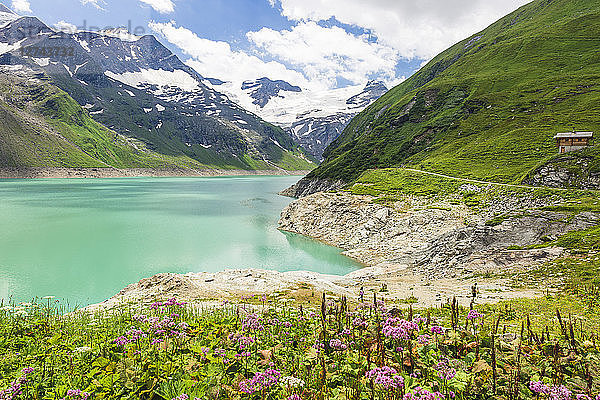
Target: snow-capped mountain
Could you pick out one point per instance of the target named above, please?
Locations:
(263, 90)
(140, 89)
(372, 91)
(313, 118)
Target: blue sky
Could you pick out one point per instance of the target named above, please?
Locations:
(313, 43)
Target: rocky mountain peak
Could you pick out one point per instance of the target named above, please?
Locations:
(139, 89)
(372, 91)
(264, 89)
(6, 15)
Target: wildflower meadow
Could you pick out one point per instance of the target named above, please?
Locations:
(265, 348)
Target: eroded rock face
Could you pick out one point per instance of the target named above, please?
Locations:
(436, 240)
(372, 233)
(308, 186)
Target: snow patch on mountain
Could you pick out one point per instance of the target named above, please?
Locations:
(7, 15)
(5, 47)
(120, 33)
(290, 106)
(83, 43)
(160, 77)
(314, 118)
(42, 62)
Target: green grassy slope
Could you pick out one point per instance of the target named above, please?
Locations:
(489, 106)
(44, 127)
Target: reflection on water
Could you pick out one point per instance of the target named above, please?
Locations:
(84, 239)
(315, 249)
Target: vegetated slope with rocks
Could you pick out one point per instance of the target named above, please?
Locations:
(140, 90)
(486, 108)
(312, 118)
(579, 169)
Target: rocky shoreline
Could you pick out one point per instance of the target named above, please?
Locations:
(38, 173)
(434, 239)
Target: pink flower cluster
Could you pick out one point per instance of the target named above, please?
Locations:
(16, 387)
(162, 306)
(260, 381)
(76, 394)
(444, 370)
(158, 328)
(253, 323)
(242, 341)
(556, 392)
(131, 336)
(437, 330)
(337, 344)
(359, 323)
(183, 397)
(397, 328)
(424, 339)
(423, 394)
(387, 377)
(474, 314)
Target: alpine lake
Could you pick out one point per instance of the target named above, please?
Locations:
(83, 240)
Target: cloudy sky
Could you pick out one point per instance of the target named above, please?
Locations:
(312, 43)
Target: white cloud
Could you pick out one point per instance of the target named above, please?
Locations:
(21, 6)
(327, 53)
(308, 55)
(96, 3)
(317, 56)
(65, 27)
(419, 29)
(215, 59)
(162, 6)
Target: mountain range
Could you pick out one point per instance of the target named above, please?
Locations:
(113, 99)
(314, 118)
(488, 107)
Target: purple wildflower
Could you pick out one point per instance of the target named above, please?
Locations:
(437, 330)
(337, 344)
(260, 381)
(474, 314)
(387, 377)
(76, 394)
(445, 372)
(15, 389)
(397, 328)
(424, 339)
(423, 394)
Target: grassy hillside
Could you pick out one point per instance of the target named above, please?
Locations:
(489, 106)
(44, 127)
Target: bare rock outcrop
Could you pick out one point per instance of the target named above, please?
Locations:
(436, 240)
(307, 186)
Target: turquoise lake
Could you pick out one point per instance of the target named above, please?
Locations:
(83, 240)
